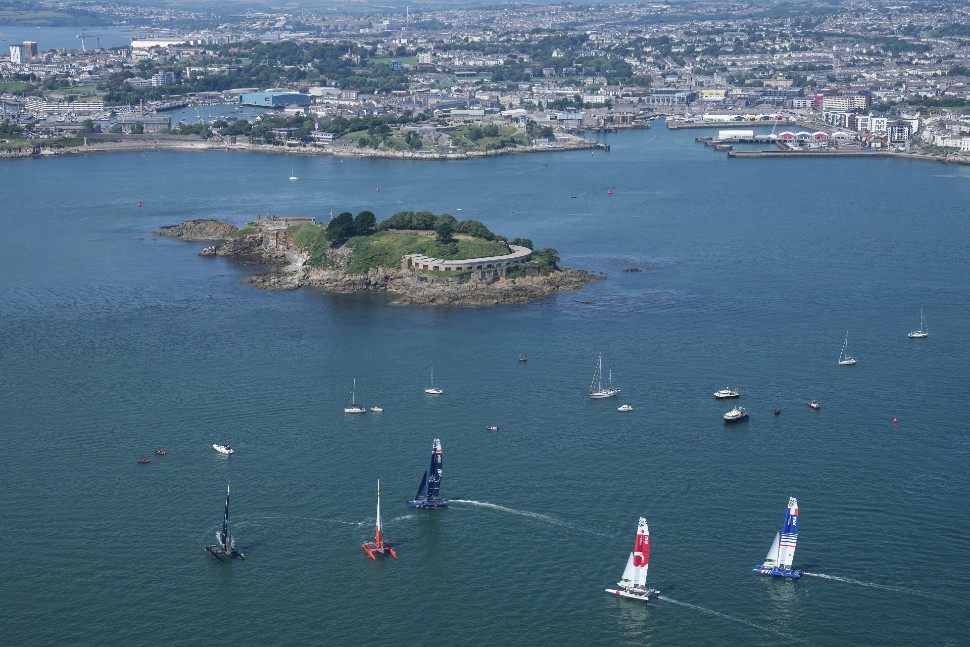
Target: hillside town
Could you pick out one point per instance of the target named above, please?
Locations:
(867, 74)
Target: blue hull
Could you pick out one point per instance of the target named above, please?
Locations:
(428, 503)
(777, 572)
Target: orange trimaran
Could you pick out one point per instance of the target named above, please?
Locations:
(378, 545)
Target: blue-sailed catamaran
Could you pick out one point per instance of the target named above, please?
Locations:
(782, 551)
(429, 492)
(225, 547)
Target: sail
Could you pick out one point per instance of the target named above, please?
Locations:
(225, 539)
(379, 525)
(434, 472)
(789, 535)
(422, 487)
(626, 581)
(641, 554)
(597, 384)
(772, 558)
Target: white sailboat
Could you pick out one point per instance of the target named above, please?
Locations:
(922, 331)
(354, 407)
(845, 360)
(633, 583)
(293, 174)
(433, 390)
(596, 389)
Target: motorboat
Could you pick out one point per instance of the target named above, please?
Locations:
(523, 357)
(160, 452)
(815, 405)
(492, 428)
(726, 393)
(223, 449)
(736, 414)
(377, 409)
(777, 411)
(142, 461)
(625, 407)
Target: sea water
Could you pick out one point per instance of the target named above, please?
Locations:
(114, 343)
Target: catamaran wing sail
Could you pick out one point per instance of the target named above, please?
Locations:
(226, 539)
(641, 555)
(789, 534)
(772, 558)
(434, 472)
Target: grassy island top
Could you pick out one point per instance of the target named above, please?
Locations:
(384, 244)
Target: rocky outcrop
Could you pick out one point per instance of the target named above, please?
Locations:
(198, 230)
(288, 270)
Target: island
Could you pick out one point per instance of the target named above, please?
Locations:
(415, 257)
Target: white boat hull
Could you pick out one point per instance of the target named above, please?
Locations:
(635, 594)
(848, 361)
(433, 391)
(608, 393)
(355, 410)
(222, 449)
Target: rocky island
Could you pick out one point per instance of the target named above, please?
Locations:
(417, 258)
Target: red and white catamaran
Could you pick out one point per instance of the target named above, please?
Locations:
(378, 546)
(633, 583)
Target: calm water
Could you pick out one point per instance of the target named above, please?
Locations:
(113, 343)
(68, 37)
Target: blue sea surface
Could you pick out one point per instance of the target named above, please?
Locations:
(114, 343)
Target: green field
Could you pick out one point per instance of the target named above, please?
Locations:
(14, 87)
(386, 60)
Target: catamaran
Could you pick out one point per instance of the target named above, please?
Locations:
(633, 583)
(225, 547)
(433, 390)
(922, 331)
(429, 492)
(596, 389)
(354, 407)
(782, 551)
(378, 546)
(845, 360)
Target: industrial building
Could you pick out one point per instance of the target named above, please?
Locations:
(274, 99)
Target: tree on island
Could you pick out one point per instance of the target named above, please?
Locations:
(444, 226)
(524, 242)
(365, 223)
(341, 228)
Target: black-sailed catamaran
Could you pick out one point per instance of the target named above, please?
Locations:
(225, 547)
(782, 552)
(429, 492)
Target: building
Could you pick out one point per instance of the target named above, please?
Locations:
(274, 99)
(845, 102)
(160, 79)
(150, 123)
(17, 54)
(671, 97)
(30, 50)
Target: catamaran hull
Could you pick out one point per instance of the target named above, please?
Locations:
(373, 550)
(428, 503)
(777, 572)
(635, 595)
(222, 555)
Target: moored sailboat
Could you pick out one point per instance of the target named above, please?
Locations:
(633, 582)
(354, 407)
(922, 331)
(429, 491)
(225, 546)
(378, 546)
(845, 360)
(432, 389)
(782, 552)
(596, 389)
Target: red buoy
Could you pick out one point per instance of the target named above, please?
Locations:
(609, 192)
(895, 421)
(139, 203)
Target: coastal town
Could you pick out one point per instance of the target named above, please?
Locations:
(443, 82)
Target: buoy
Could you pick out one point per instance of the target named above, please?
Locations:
(609, 192)
(139, 203)
(895, 421)
(378, 188)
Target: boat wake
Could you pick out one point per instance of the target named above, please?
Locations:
(544, 518)
(726, 616)
(883, 587)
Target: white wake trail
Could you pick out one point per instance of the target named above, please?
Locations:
(537, 516)
(882, 587)
(725, 616)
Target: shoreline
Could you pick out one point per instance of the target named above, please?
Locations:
(565, 142)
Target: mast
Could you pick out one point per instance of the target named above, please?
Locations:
(377, 534)
(789, 535)
(434, 472)
(225, 523)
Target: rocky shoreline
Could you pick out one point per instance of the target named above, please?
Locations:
(287, 269)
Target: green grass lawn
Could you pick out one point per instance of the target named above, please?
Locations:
(14, 87)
